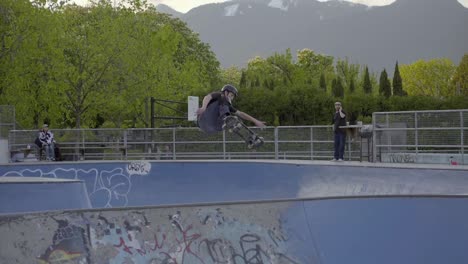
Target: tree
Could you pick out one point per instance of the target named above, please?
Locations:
(29, 60)
(243, 80)
(367, 85)
(352, 87)
(347, 71)
(231, 75)
(311, 66)
(385, 88)
(398, 83)
(431, 78)
(337, 87)
(460, 79)
(323, 82)
(315, 64)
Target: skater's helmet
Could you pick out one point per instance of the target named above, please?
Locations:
(229, 88)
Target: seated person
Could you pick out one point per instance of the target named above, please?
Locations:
(46, 137)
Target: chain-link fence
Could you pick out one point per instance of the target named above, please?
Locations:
(398, 137)
(305, 142)
(421, 136)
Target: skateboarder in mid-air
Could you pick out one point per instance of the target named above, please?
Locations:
(217, 113)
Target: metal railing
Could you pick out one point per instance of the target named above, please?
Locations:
(399, 137)
(421, 136)
(298, 142)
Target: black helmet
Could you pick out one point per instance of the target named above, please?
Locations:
(229, 88)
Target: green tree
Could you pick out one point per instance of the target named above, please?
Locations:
(431, 78)
(231, 75)
(460, 79)
(323, 82)
(29, 60)
(337, 87)
(243, 81)
(385, 88)
(347, 71)
(367, 85)
(311, 66)
(398, 83)
(352, 87)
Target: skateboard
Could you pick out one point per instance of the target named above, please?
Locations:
(234, 125)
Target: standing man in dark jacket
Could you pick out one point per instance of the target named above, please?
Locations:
(339, 119)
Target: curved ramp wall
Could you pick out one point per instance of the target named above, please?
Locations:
(356, 230)
(143, 183)
(23, 194)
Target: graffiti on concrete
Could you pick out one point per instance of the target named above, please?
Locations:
(139, 168)
(106, 188)
(181, 237)
(68, 244)
(401, 158)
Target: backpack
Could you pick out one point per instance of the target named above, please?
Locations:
(38, 142)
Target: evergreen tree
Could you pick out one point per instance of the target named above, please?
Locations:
(337, 88)
(257, 82)
(367, 86)
(352, 86)
(340, 88)
(333, 87)
(385, 88)
(243, 80)
(398, 83)
(323, 83)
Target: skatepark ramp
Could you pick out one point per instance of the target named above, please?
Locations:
(233, 212)
(372, 229)
(147, 183)
(31, 194)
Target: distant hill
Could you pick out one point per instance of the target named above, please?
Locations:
(168, 10)
(406, 30)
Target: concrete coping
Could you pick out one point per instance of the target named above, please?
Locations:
(289, 162)
(8, 179)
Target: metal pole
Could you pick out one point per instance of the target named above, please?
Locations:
(416, 140)
(462, 138)
(173, 143)
(224, 144)
(311, 143)
(387, 134)
(276, 142)
(125, 143)
(152, 111)
(349, 144)
(374, 137)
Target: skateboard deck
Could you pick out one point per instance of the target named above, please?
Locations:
(234, 125)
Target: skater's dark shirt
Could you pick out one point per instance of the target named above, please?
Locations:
(218, 97)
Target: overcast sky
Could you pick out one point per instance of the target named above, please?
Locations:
(185, 5)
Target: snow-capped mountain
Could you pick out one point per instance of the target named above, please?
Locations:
(406, 30)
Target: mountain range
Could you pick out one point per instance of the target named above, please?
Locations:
(404, 31)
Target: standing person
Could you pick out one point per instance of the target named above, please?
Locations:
(216, 106)
(339, 119)
(47, 139)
